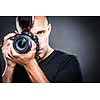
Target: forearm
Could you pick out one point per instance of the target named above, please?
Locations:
(35, 73)
(8, 74)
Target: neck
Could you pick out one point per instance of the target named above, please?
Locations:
(49, 51)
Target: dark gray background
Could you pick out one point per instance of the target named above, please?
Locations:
(73, 34)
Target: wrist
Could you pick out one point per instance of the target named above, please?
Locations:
(8, 68)
(8, 73)
(35, 73)
(31, 63)
(10, 64)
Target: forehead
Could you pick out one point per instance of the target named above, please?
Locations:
(40, 22)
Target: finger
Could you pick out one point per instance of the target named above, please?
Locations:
(6, 51)
(9, 53)
(4, 48)
(6, 45)
(9, 57)
(13, 52)
(33, 45)
(16, 32)
(9, 36)
(9, 42)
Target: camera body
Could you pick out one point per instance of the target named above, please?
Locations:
(22, 42)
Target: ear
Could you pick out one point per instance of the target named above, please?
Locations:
(49, 28)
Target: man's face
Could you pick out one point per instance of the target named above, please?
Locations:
(42, 30)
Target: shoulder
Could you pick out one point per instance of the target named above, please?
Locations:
(66, 60)
(68, 69)
(64, 55)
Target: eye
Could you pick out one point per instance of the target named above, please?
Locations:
(41, 32)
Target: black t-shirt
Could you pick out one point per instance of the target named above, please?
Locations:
(58, 67)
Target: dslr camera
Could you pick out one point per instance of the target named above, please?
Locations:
(22, 42)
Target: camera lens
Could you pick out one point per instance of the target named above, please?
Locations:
(22, 44)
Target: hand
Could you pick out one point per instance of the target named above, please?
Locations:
(26, 58)
(6, 50)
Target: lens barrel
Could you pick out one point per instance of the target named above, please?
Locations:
(22, 43)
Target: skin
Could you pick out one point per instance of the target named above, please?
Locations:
(42, 29)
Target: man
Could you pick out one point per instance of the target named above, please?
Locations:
(52, 65)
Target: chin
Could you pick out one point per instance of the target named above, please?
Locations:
(42, 55)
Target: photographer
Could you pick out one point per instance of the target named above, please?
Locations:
(49, 66)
